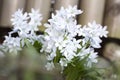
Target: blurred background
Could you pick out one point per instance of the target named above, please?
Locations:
(104, 12)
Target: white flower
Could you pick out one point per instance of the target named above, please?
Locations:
(59, 40)
(73, 11)
(12, 44)
(63, 62)
(52, 55)
(49, 66)
(18, 17)
(27, 21)
(92, 33)
(19, 20)
(90, 54)
(100, 31)
(70, 50)
(95, 42)
(26, 24)
(35, 19)
(60, 35)
(92, 58)
(60, 43)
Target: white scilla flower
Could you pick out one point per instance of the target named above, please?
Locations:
(98, 29)
(35, 19)
(73, 11)
(19, 20)
(70, 49)
(92, 33)
(49, 66)
(26, 24)
(90, 54)
(63, 62)
(12, 44)
(60, 35)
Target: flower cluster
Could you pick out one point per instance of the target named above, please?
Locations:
(60, 43)
(25, 25)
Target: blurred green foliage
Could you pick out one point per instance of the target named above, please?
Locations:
(28, 64)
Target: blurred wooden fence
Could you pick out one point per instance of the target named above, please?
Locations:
(105, 12)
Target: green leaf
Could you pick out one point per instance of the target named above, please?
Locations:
(58, 56)
(37, 46)
(76, 70)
